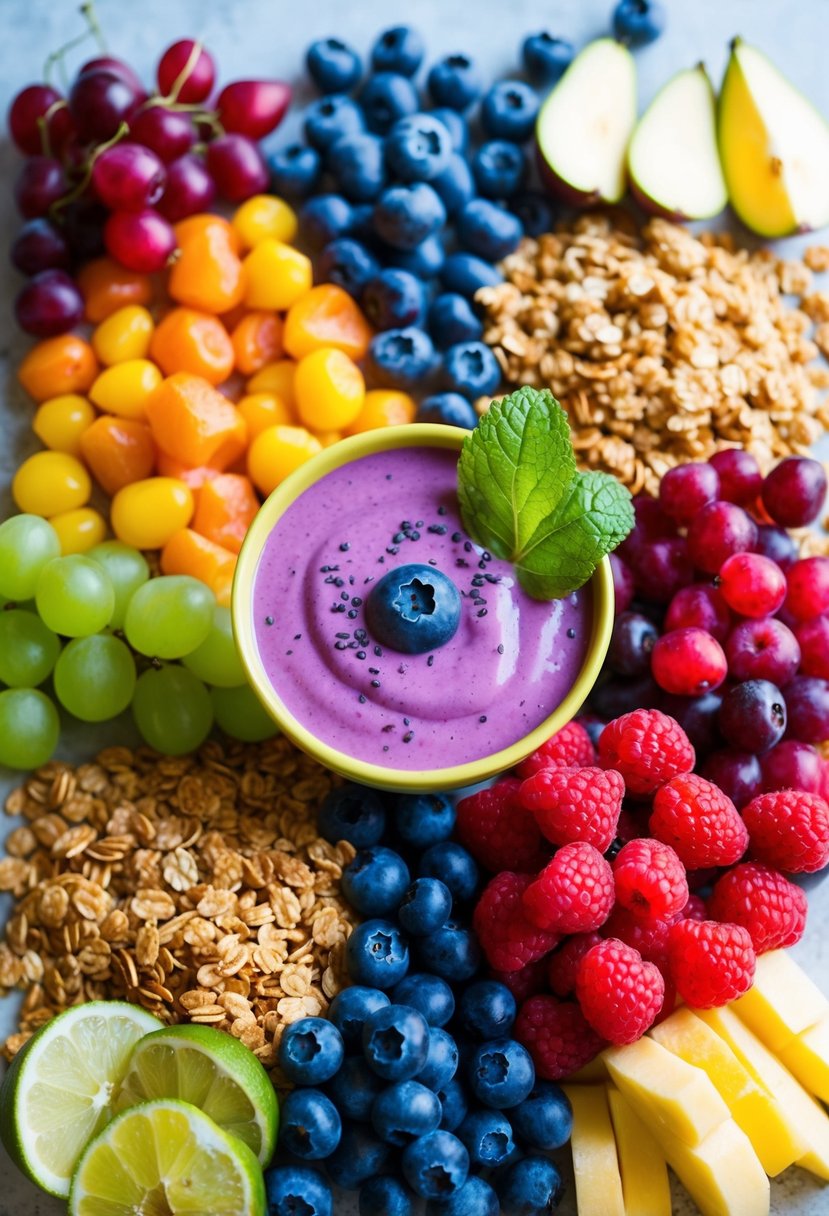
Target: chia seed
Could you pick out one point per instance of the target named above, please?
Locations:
(406, 722)
(289, 652)
(375, 683)
(344, 547)
(342, 635)
(500, 647)
(375, 671)
(433, 561)
(361, 654)
(398, 538)
(378, 650)
(386, 729)
(438, 529)
(297, 636)
(467, 546)
(392, 549)
(482, 718)
(356, 600)
(571, 633)
(409, 735)
(457, 537)
(268, 620)
(362, 699)
(441, 510)
(340, 646)
(430, 660)
(352, 614)
(385, 747)
(345, 596)
(481, 612)
(460, 561)
(414, 535)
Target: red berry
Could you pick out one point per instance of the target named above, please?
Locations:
(699, 821)
(791, 765)
(752, 585)
(49, 304)
(688, 662)
(716, 532)
(168, 133)
(789, 829)
(650, 879)
(139, 240)
(574, 892)
(794, 492)
(115, 67)
(651, 524)
(508, 939)
(25, 112)
(762, 650)
(622, 582)
(647, 748)
(128, 177)
(575, 804)
(619, 992)
(39, 184)
(813, 638)
(649, 937)
(661, 568)
(497, 830)
(764, 902)
(557, 1035)
(39, 245)
(738, 774)
(686, 489)
(571, 746)
(99, 101)
(699, 606)
(237, 167)
(695, 909)
(808, 588)
(565, 960)
(711, 963)
(527, 982)
(189, 64)
(739, 474)
(189, 189)
(253, 107)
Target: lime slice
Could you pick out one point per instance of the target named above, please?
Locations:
(165, 1158)
(210, 1070)
(57, 1092)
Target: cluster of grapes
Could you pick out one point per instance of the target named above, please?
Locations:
(107, 634)
(111, 168)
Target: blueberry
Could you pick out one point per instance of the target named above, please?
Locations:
(361, 226)
(454, 865)
(436, 1165)
(406, 215)
(399, 49)
(465, 274)
(454, 82)
(401, 358)
(405, 1111)
(638, 22)
(471, 368)
(413, 608)
(455, 184)
(452, 1098)
(546, 58)
(354, 1089)
(347, 263)
(424, 819)
(475, 1198)
(488, 230)
(375, 880)
(499, 168)
(509, 110)
(487, 1135)
(396, 1042)
(453, 319)
(455, 124)
(310, 1051)
(350, 1008)
(385, 1196)
(428, 994)
(530, 1187)
(534, 210)
(418, 148)
(309, 1124)
(452, 952)
(441, 1062)
(451, 409)
(324, 218)
(487, 1010)
(425, 906)
(333, 66)
(359, 1156)
(330, 119)
(393, 299)
(295, 170)
(501, 1073)
(358, 164)
(545, 1118)
(354, 813)
(424, 262)
(386, 97)
(377, 954)
(296, 1188)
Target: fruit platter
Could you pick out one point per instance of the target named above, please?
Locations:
(414, 610)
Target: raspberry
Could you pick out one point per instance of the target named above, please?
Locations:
(575, 804)
(649, 937)
(619, 992)
(564, 962)
(764, 902)
(497, 830)
(557, 1036)
(695, 909)
(509, 940)
(789, 829)
(710, 963)
(574, 893)
(647, 747)
(527, 982)
(569, 746)
(650, 879)
(699, 821)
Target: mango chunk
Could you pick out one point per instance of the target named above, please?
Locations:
(595, 1163)
(807, 1058)
(722, 1174)
(669, 1093)
(753, 1109)
(805, 1118)
(645, 1185)
(593, 1073)
(783, 1001)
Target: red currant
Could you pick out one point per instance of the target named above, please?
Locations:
(752, 585)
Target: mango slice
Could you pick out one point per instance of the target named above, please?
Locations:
(645, 1185)
(595, 1163)
(783, 1001)
(722, 1174)
(807, 1058)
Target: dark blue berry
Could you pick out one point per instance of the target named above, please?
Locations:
(454, 82)
(487, 1135)
(359, 1156)
(452, 1097)
(499, 168)
(428, 994)
(441, 1062)
(401, 358)
(386, 97)
(309, 1124)
(475, 1198)
(347, 263)
(471, 368)
(377, 954)
(418, 148)
(638, 22)
(396, 1042)
(487, 1010)
(412, 609)
(385, 1196)
(546, 58)
(405, 1111)
(375, 881)
(295, 170)
(465, 274)
(436, 1165)
(310, 1051)
(350, 1008)
(295, 1188)
(453, 319)
(455, 124)
(330, 119)
(333, 66)
(455, 183)
(354, 1089)
(361, 226)
(454, 865)
(424, 819)
(488, 230)
(452, 952)
(534, 210)
(406, 215)
(501, 1073)
(450, 409)
(399, 49)
(358, 164)
(393, 299)
(354, 813)
(530, 1187)
(425, 261)
(545, 1118)
(425, 906)
(324, 218)
(509, 110)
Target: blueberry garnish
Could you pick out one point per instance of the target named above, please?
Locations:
(413, 609)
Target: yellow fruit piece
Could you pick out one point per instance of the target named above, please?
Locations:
(276, 275)
(328, 438)
(50, 483)
(595, 1164)
(783, 1001)
(330, 389)
(60, 422)
(673, 1096)
(276, 378)
(125, 334)
(261, 410)
(276, 452)
(124, 388)
(645, 1185)
(753, 1109)
(591, 1074)
(261, 217)
(722, 1173)
(807, 1058)
(79, 531)
(383, 407)
(147, 513)
(805, 1118)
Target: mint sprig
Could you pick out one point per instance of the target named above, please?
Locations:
(522, 498)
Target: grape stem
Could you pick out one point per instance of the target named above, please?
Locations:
(43, 124)
(82, 183)
(57, 58)
(186, 72)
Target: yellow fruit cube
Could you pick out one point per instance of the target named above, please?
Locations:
(807, 1058)
(645, 1185)
(782, 1002)
(672, 1095)
(722, 1174)
(595, 1164)
(753, 1109)
(593, 1073)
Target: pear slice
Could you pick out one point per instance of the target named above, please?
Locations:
(774, 147)
(673, 160)
(583, 127)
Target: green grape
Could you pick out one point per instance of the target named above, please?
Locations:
(128, 570)
(29, 728)
(75, 596)
(217, 660)
(169, 616)
(172, 709)
(241, 715)
(28, 650)
(95, 677)
(27, 543)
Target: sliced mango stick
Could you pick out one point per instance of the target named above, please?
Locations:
(783, 1001)
(595, 1163)
(645, 1185)
(807, 1058)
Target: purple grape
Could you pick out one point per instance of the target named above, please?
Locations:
(776, 543)
(698, 718)
(794, 491)
(762, 650)
(40, 183)
(739, 474)
(660, 568)
(622, 582)
(684, 490)
(168, 133)
(717, 532)
(616, 697)
(633, 640)
(99, 101)
(738, 774)
(753, 716)
(128, 177)
(49, 304)
(807, 698)
(792, 765)
(189, 189)
(237, 167)
(39, 245)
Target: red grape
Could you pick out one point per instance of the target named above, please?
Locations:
(128, 177)
(752, 585)
(813, 637)
(115, 67)
(688, 662)
(622, 582)
(792, 765)
(717, 531)
(39, 245)
(737, 774)
(253, 107)
(699, 606)
(739, 474)
(139, 240)
(237, 167)
(201, 74)
(686, 488)
(83, 224)
(794, 491)
(808, 583)
(189, 189)
(39, 184)
(49, 304)
(99, 102)
(29, 105)
(807, 698)
(762, 650)
(166, 132)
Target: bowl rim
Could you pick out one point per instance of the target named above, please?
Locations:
(364, 772)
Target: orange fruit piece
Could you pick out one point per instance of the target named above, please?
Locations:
(107, 286)
(193, 476)
(261, 410)
(192, 421)
(196, 342)
(207, 274)
(383, 407)
(225, 509)
(118, 451)
(257, 340)
(188, 552)
(64, 364)
(276, 378)
(326, 316)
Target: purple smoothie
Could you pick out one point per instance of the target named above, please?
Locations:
(509, 665)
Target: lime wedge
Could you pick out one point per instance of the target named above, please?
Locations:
(58, 1090)
(210, 1070)
(165, 1158)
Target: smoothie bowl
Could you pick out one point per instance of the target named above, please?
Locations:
(387, 644)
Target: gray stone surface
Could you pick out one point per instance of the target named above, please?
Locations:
(262, 37)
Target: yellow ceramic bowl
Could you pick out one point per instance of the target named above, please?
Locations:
(403, 780)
